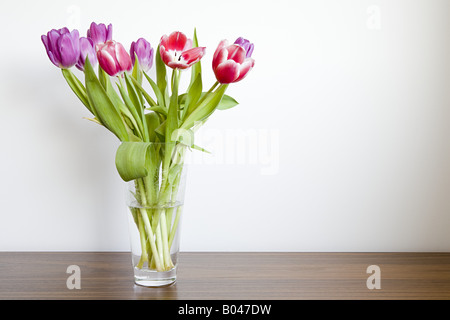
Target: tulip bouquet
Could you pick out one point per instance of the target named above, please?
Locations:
(154, 125)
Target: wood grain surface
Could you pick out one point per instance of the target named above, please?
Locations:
(242, 276)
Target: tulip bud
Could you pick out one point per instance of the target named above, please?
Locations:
(86, 50)
(63, 47)
(113, 58)
(244, 43)
(99, 33)
(231, 63)
(144, 51)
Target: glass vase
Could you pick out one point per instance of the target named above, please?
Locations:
(155, 205)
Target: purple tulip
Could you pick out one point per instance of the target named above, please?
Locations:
(99, 33)
(244, 43)
(144, 52)
(63, 47)
(86, 49)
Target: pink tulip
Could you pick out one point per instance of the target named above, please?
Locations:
(113, 58)
(176, 51)
(231, 63)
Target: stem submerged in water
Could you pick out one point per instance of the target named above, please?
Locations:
(157, 217)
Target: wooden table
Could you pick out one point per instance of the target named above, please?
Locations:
(242, 276)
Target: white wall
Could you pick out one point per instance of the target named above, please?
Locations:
(343, 123)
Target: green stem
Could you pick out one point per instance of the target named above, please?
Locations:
(151, 238)
(144, 255)
(209, 91)
(160, 248)
(175, 226)
(166, 251)
(154, 243)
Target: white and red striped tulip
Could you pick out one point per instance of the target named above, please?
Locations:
(113, 58)
(177, 53)
(231, 63)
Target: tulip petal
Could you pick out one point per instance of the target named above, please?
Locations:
(244, 43)
(144, 51)
(222, 44)
(177, 41)
(99, 33)
(219, 57)
(245, 68)
(227, 72)
(193, 55)
(44, 39)
(178, 65)
(188, 45)
(68, 51)
(53, 36)
(109, 32)
(75, 36)
(164, 41)
(236, 53)
(240, 41)
(86, 49)
(63, 30)
(165, 56)
(123, 58)
(250, 50)
(133, 52)
(107, 62)
(52, 58)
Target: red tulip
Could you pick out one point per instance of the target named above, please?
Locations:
(231, 63)
(113, 58)
(176, 51)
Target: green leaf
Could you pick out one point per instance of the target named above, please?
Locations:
(194, 146)
(115, 98)
(193, 95)
(182, 98)
(158, 109)
(206, 108)
(103, 77)
(227, 102)
(77, 87)
(196, 68)
(134, 160)
(133, 95)
(160, 131)
(137, 72)
(139, 106)
(184, 136)
(131, 112)
(137, 75)
(161, 78)
(147, 97)
(153, 123)
(103, 107)
(156, 90)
